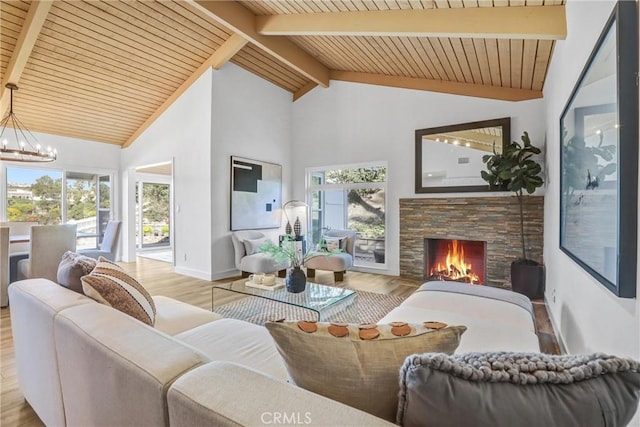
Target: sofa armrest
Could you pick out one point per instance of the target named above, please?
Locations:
(227, 394)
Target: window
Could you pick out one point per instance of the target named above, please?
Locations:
(352, 197)
(34, 195)
(60, 197)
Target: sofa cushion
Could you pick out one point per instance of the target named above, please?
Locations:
(245, 343)
(356, 364)
(252, 246)
(110, 285)
(523, 389)
(173, 316)
(72, 267)
(221, 393)
(115, 370)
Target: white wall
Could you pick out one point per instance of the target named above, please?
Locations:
(182, 133)
(250, 118)
(589, 317)
(357, 123)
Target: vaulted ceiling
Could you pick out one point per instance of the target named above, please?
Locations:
(105, 70)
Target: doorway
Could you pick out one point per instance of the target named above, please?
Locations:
(154, 213)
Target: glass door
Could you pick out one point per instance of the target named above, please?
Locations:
(154, 215)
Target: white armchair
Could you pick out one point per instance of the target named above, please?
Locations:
(249, 259)
(338, 263)
(48, 244)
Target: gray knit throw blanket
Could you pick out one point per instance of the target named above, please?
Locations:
(522, 368)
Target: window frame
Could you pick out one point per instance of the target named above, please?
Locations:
(310, 188)
(111, 173)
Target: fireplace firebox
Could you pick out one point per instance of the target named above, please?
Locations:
(456, 260)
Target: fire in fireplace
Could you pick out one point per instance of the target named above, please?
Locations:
(456, 260)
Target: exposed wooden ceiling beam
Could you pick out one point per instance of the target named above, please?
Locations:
(455, 88)
(243, 21)
(304, 90)
(526, 22)
(31, 27)
(227, 50)
(220, 57)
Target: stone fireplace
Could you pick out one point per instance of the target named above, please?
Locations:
(495, 221)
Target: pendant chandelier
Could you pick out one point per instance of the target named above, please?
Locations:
(15, 145)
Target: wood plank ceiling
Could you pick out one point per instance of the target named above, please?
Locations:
(103, 70)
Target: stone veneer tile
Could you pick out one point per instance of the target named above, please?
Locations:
(495, 220)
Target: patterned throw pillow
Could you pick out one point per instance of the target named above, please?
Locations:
(518, 389)
(333, 244)
(357, 364)
(72, 267)
(110, 285)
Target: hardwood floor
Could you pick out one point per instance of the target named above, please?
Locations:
(159, 278)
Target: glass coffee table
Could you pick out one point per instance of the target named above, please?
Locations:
(321, 299)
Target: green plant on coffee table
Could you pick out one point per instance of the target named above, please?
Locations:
(288, 251)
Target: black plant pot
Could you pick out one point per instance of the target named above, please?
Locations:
(296, 280)
(528, 280)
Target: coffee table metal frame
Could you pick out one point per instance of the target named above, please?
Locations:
(316, 297)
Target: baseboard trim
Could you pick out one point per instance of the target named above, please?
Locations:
(198, 274)
(225, 274)
(556, 330)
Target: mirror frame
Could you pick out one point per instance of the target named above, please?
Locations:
(504, 122)
(623, 22)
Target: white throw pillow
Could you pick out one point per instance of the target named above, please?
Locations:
(253, 246)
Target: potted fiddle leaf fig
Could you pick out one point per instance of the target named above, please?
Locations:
(517, 170)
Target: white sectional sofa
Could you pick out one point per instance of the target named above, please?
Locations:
(81, 363)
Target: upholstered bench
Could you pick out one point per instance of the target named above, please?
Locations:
(496, 319)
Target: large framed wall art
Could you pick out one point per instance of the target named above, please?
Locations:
(599, 158)
(256, 194)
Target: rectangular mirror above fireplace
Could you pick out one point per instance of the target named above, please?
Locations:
(449, 158)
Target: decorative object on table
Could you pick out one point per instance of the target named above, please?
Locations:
(517, 170)
(288, 251)
(256, 194)
(599, 158)
(297, 228)
(263, 279)
(296, 280)
(22, 146)
(466, 142)
(269, 282)
(300, 211)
